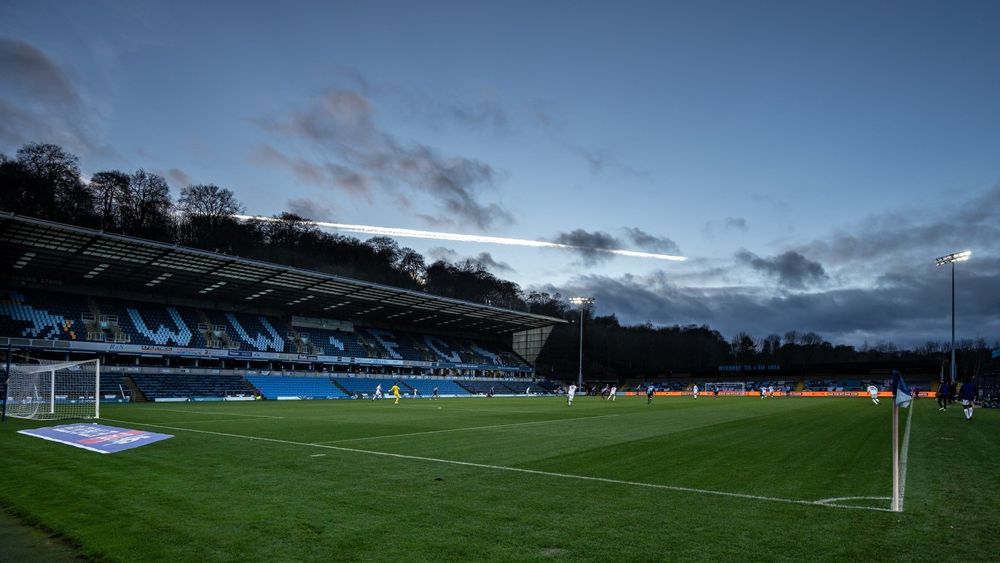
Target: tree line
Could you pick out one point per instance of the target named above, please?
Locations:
(45, 181)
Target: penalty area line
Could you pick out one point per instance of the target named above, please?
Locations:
(607, 480)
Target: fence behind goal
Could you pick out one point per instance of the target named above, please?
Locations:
(54, 390)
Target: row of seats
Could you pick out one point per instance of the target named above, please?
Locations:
(57, 316)
(156, 386)
(271, 386)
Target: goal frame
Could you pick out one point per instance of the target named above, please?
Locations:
(727, 387)
(51, 399)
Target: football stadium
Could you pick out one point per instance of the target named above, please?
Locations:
(169, 403)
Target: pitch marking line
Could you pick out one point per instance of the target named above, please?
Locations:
(517, 469)
(838, 499)
(464, 429)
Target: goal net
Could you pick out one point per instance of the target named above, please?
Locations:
(726, 387)
(54, 390)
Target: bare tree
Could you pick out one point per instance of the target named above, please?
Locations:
(791, 337)
(209, 201)
(110, 191)
(44, 181)
(148, 206)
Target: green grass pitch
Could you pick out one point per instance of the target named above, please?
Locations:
(517, 479)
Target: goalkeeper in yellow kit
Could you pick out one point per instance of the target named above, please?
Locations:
(395, 392)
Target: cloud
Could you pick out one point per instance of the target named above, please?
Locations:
(791, 268)
(359, 157)
(903, 307)
(321, 174)
(600, 161)
(39, 102)
(711, 228)
(480, 114)
(442, 253)
(178, 177)
(653, 243)
(912, 237)
(484, 259)
(29, 71)
(736, 224)
(589, 244)
(310, 209)
(488, 262)
(884, 286)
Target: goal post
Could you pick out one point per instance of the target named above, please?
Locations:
(726, 387)
(54, 390)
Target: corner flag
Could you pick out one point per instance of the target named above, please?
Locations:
(901, 391)
(902, 398)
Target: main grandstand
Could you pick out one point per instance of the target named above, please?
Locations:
(173, 323)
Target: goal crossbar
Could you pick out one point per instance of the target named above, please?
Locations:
(53, 390)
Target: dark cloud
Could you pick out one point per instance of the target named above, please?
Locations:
(710, 229)
(39, 102)
(601, 161)
(488, 262)
(29, 71)
(652, 243)
(434, 220)
(358, 156)
(180, 178)
(792, 269)
(442, 253)
(589, 245)
(310, 209)
(541, 114)
(480, 114)
(592, 247)
(906, 307)
(736, 223)
(886, 287)
(321, 174)
(484, 259)
(917, 236)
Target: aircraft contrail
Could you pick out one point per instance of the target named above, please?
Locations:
(457, 237)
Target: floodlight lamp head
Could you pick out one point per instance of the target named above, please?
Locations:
(953, 257)
(581, 300)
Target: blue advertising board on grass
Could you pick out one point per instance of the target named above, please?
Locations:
(96, 437)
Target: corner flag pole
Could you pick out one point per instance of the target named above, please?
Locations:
(895, 451)
(6, 391)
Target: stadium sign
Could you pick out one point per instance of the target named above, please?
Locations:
(96, 437)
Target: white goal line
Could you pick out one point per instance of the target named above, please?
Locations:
(820, 503)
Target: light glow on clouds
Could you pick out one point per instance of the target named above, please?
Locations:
(458, 237)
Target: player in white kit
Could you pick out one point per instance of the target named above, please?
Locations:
(378, 392)
(570, 393)
(873, 391)
(694, 391)
(613, 393)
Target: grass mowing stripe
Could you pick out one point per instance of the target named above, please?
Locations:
(823, 503)
(218, 413)
(463, 429)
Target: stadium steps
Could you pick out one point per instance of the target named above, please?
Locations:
(343, 389)
(137, 394)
